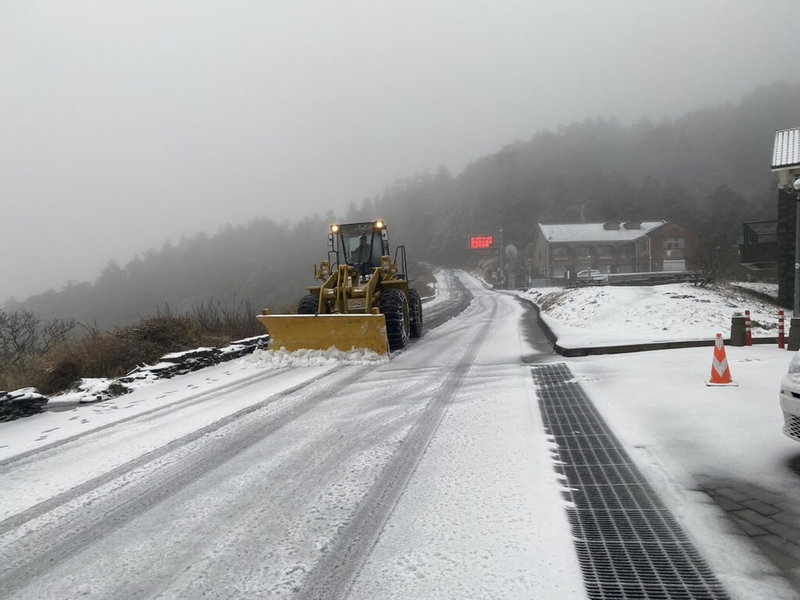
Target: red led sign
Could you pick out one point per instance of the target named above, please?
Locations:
(477, 242)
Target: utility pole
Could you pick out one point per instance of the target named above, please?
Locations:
(796, 312)
(786, 163)
(501, 258)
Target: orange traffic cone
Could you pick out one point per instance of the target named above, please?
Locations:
(720, 372)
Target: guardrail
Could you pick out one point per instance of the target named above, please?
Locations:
(647, 278)
(652, 278)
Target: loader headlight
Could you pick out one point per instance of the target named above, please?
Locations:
(334, 229)
(379, 224)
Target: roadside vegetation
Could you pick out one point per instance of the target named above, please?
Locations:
(54, 355)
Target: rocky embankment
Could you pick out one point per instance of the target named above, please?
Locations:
(28, 401)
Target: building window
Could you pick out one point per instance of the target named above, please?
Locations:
(583, 253)
(605, 253)
(559, 254)
(674, 243)
(674, 249)
(626, 252)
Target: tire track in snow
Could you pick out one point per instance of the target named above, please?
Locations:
(37, 540)
(447, 309)
(33, 542)
(333, 576)
(440, 314)
(167, 408)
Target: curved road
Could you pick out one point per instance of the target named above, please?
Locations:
(284, 496)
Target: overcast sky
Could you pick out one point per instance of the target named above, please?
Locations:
(124, 123)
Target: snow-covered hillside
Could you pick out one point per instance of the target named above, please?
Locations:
(604, 315)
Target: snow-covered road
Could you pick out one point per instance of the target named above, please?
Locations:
(428, 476)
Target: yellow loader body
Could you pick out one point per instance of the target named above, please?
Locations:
(363, 302)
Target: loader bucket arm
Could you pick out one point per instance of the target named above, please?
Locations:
(328, 292)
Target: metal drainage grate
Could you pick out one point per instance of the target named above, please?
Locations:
(628, 543)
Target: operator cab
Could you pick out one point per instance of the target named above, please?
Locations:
(360, 244)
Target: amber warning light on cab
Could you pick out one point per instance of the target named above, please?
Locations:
(479, 242)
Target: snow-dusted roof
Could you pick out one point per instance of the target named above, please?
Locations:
(597, 232)
(786, 151)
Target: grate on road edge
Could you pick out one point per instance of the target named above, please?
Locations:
(629, 545)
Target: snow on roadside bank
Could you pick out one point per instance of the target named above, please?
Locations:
(607, 315)
(80, 411)
(682, 434)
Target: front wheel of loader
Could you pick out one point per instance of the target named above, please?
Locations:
(394, 308)
(415, 310)
(308, 305)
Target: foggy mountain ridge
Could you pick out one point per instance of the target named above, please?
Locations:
(708, 170)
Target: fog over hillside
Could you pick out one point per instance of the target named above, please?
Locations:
(128, 124)
(704, 170)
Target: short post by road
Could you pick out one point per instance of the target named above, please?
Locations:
(748, 325)
(794, 334)
(781, 332)
(738, 335)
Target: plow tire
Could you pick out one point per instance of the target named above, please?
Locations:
(415, 311)
(308, 305)
(394, 308)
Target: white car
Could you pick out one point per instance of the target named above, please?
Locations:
(790, 399)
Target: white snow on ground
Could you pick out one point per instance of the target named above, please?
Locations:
(24, 435)
(483, 516)
(21, 436)
(182, 406)
(768, 289)
(482, 513)
(610, 315)
(206, 389)
(441, 283)
(679, 430)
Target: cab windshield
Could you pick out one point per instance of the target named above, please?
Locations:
(360, 244)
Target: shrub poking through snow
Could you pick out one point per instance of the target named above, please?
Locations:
(57, 367)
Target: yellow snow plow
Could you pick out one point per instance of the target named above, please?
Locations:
(320, 332)
(364, 301)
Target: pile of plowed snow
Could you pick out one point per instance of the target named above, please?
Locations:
(277, 359)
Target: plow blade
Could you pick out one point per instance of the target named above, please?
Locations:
(320, 332)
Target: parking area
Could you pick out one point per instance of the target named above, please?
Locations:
(717, 456)
(771, 521)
